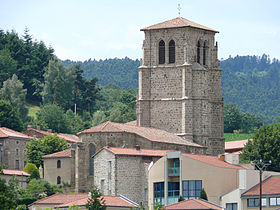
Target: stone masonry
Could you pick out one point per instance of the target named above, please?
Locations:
(183, 97)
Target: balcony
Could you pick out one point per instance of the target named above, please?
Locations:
(174, 171)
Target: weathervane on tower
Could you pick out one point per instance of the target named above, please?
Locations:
(179, 9)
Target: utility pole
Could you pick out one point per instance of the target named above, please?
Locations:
(260, 165)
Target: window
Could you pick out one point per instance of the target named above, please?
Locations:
(58, 180)
(173, 189)
(102, 185)
(161, 52)
(231, 206)
(146, 194)
(254, 202)
(58, 164)
(17, 164)
(172, 51)
(109, 167)
(191, 188)
(198, 52)
(274, 201)
(16, 151)
(109, 185)
(174, 170)
(204, 53)
(91, 153)
(159, 193)
(24, 163)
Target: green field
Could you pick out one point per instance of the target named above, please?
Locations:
(237, 136)
(32, 110)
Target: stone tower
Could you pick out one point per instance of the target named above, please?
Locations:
(180, 83)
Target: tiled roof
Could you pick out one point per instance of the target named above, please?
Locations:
(6, 132)
(212, 160)
(133, 151)
(151, 134)
(229, 145)
(178, 22)
(115, 201)
(61, 154)
(14, 172)
(68, 137)
(80, 199)
(270, 186)
(193, 204)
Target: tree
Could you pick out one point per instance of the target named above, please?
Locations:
(32, 170)
(9, 117)
(98, 118)
(13, 92)
(203, 195)
(37, 148)
(265, 146)
(232, 118)
(76, 122)
(8, 66)
(9, 193)
(51, 116)
(96, 201)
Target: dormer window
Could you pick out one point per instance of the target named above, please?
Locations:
(172, 51)
(161, 52)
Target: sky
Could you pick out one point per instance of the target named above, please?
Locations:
(100, 29)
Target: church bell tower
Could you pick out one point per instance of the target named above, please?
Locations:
(180, 83)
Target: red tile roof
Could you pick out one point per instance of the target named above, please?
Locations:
(61, 154)
(270, 186)
(132, 123)
(80, 199)
(134, 152)
(235, 145)
(14, 172)
(68, 137)
(178, 22)
(6, 132)
(213, 160)
(151, 134)
(193, 204)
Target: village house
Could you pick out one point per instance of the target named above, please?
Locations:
(12, 148)
(21, 176)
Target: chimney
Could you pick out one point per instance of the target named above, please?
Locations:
(50, 130)
(29, 127)
(38, 127)
(137, 147)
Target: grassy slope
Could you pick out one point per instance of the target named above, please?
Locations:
(237, 136)
(32, 110)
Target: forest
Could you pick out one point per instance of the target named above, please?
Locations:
(70, 96)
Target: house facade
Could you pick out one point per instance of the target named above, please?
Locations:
(12, 148)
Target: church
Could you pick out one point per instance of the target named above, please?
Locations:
(179, 108)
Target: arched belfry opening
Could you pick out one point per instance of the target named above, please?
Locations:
(198, 52)
(171, 51)
(204, 53)
(161, 52)
(91, 153)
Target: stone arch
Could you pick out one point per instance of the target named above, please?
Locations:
(171, 47)
(91, 152)
(161, 52)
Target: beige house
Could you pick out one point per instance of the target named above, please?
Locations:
(12, 148)
(21, 176)
(57, 167)
(270, 195)
(64, 201)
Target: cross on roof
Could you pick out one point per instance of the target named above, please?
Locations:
(179, 9)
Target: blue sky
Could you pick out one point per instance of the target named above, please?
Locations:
(83, 29)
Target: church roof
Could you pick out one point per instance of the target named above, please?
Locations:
(152, 134)
(178, 22)
(6, 132)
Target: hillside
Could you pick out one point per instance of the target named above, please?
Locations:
(251, 82)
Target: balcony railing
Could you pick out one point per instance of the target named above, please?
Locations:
(175, 171)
